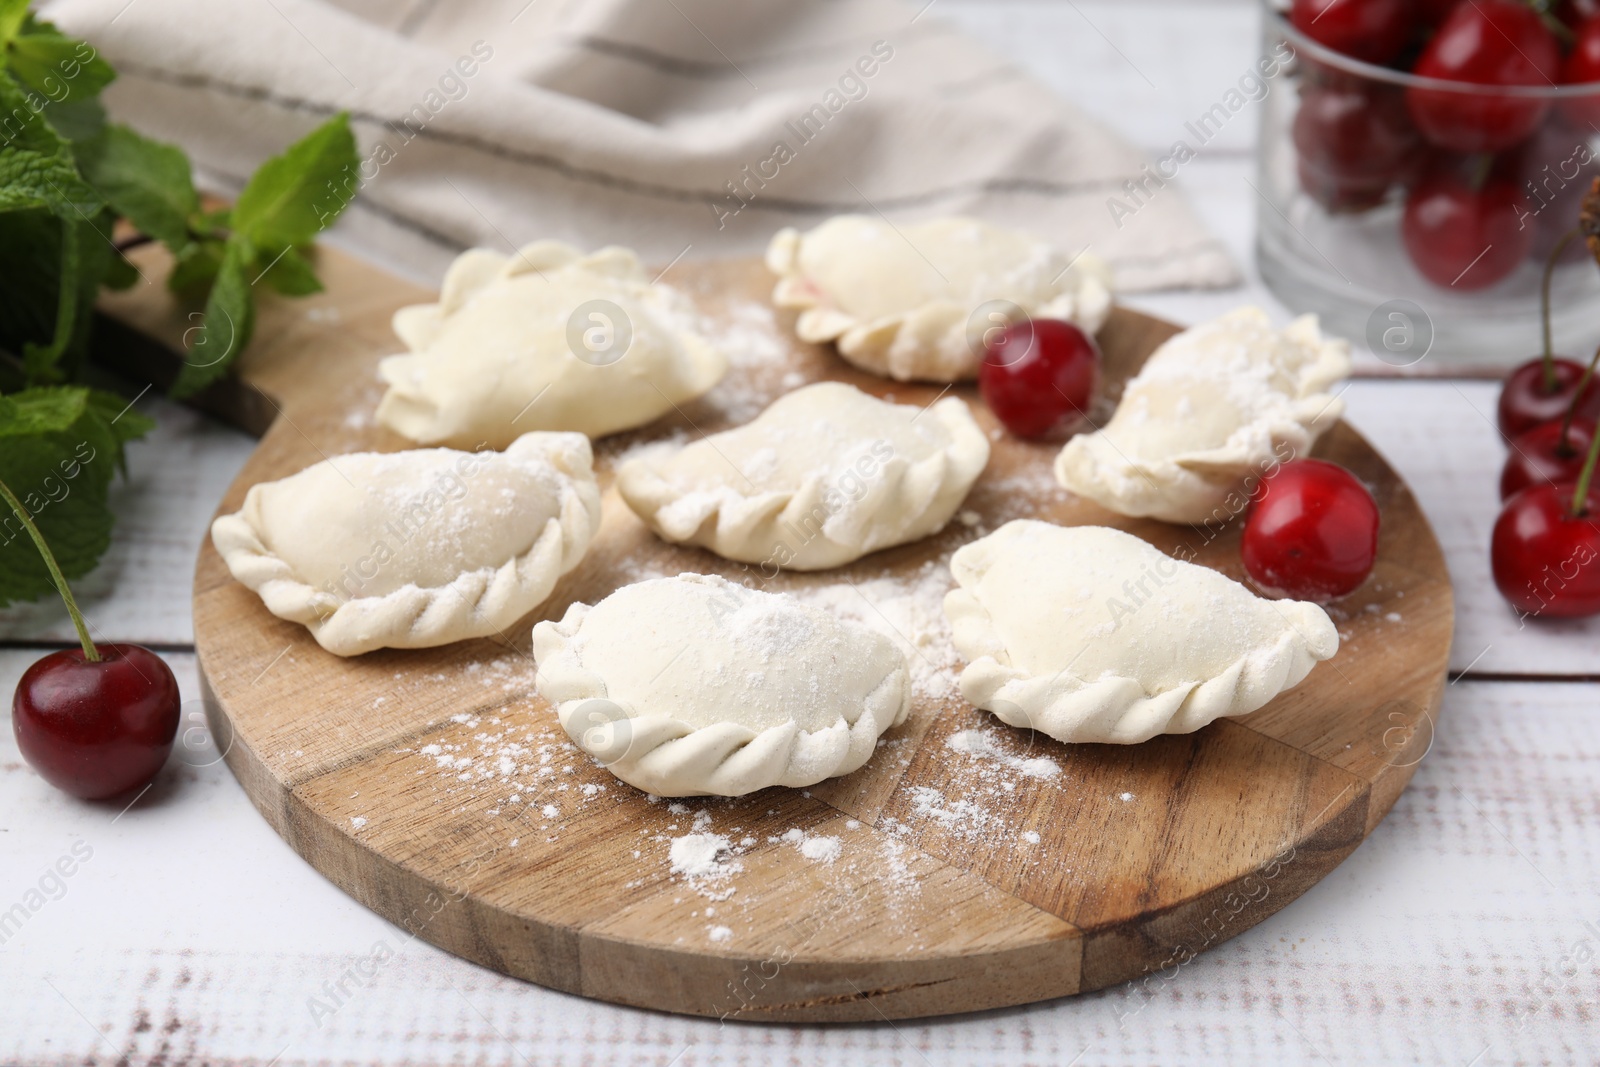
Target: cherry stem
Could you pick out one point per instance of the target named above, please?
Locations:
(1565, 446)
(90, 653)
(1580, 492)
(1550, 382)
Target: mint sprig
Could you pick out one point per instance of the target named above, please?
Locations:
(68, 180)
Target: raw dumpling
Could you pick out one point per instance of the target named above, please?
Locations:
(1090, 634)
(547, 339)
(415, 549)
(899, 301)
(823, 476)
(695, 685)
(1214, 407)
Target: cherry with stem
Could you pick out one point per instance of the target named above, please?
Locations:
(95, 722)
(1549, 387)
(1545, 550)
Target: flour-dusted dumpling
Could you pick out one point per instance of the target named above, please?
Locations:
(415, 549)
(1089, 634)
(1214, 409)
(695, 685)
(547, 339)
(823, 476)
(900, 300)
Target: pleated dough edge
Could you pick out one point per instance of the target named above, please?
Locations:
(671, 758)
(478, 603)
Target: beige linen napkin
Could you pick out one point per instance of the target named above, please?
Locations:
(676, 127)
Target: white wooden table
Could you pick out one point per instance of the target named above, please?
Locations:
(1465, 931)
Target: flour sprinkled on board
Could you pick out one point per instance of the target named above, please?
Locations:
(705, 857)
(758, 358)
(814, 846)
(978, 744)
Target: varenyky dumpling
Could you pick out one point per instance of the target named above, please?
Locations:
(696, 685)
(1214, 407)
(1089, 634)
(900, 300)
(414, 549)
(546, 339)
(823, 476)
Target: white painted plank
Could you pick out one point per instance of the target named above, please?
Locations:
(1441, 437)
(194, 926)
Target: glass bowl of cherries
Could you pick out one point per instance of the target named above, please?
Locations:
(1432, 152)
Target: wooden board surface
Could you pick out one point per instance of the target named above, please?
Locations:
(436, 788)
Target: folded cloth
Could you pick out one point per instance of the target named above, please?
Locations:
(675, 127)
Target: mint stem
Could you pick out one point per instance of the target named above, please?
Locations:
(1550, 383)
(1565, 445)
(89, 651)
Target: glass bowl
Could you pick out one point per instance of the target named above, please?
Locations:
(1418, 251)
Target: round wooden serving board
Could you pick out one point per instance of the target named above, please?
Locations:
(437, 788)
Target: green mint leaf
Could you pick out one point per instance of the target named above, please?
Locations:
(126, 423)
(293, 197)
(288, 272)
(225, 326)
(196, 267)
(22, 125)
(38, 411)
(12, 13)
(77, 120)
(41, 317)
(61, 468)
(32, 256)
(56, 66)
(122, 420)
(30, 180)
(146, 181)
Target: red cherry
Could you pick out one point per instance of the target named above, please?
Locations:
(1433, 12)
(1312, 533)
(97, 729)
(1546, 561)
(1582, 67)
(1355, 141)
(1464, 235)
(1575, 12)
(1485, 42)
(1371, 30)
(1525, 402)
(1545, 455)
(1040, 376)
